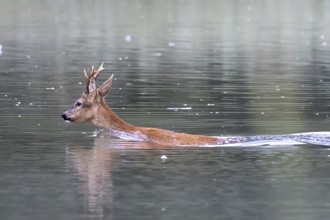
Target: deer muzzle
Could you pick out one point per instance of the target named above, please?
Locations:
(65, 117)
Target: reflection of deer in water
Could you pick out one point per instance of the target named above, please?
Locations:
(94, 167)
(91, 106)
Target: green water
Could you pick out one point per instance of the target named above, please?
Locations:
(208, 67)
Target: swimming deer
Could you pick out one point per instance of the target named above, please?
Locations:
(91, 106)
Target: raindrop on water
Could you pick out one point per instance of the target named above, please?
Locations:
(128, 38)
(163, 158)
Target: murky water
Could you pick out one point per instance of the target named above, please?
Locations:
(231, 68)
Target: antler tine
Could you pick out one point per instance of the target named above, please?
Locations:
(86, 76)
(99, 70)
(101, 67)
(93, 74)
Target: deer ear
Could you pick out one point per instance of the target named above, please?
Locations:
(91, 85)
(105, 88)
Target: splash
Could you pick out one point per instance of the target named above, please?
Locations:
(314, 138)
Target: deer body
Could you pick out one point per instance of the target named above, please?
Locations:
(91, 106)
(107, 120)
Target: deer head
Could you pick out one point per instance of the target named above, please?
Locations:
(86, 107)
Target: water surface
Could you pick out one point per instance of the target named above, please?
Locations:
(215, 68)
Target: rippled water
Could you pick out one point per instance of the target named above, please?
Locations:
(216, 68)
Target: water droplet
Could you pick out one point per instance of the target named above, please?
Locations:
(128, 38)
(171, 44)
(95, 133)
(178, 108)
(157, 54)
(163, 157)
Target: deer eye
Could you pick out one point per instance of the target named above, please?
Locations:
(78, 104)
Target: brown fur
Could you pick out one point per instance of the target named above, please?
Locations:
(91, 106)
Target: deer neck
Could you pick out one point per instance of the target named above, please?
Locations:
(106, 119)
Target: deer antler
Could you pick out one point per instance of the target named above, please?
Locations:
(93, 74)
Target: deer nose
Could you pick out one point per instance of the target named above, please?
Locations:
(65, 117)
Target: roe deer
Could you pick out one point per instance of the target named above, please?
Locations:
(91, 106)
